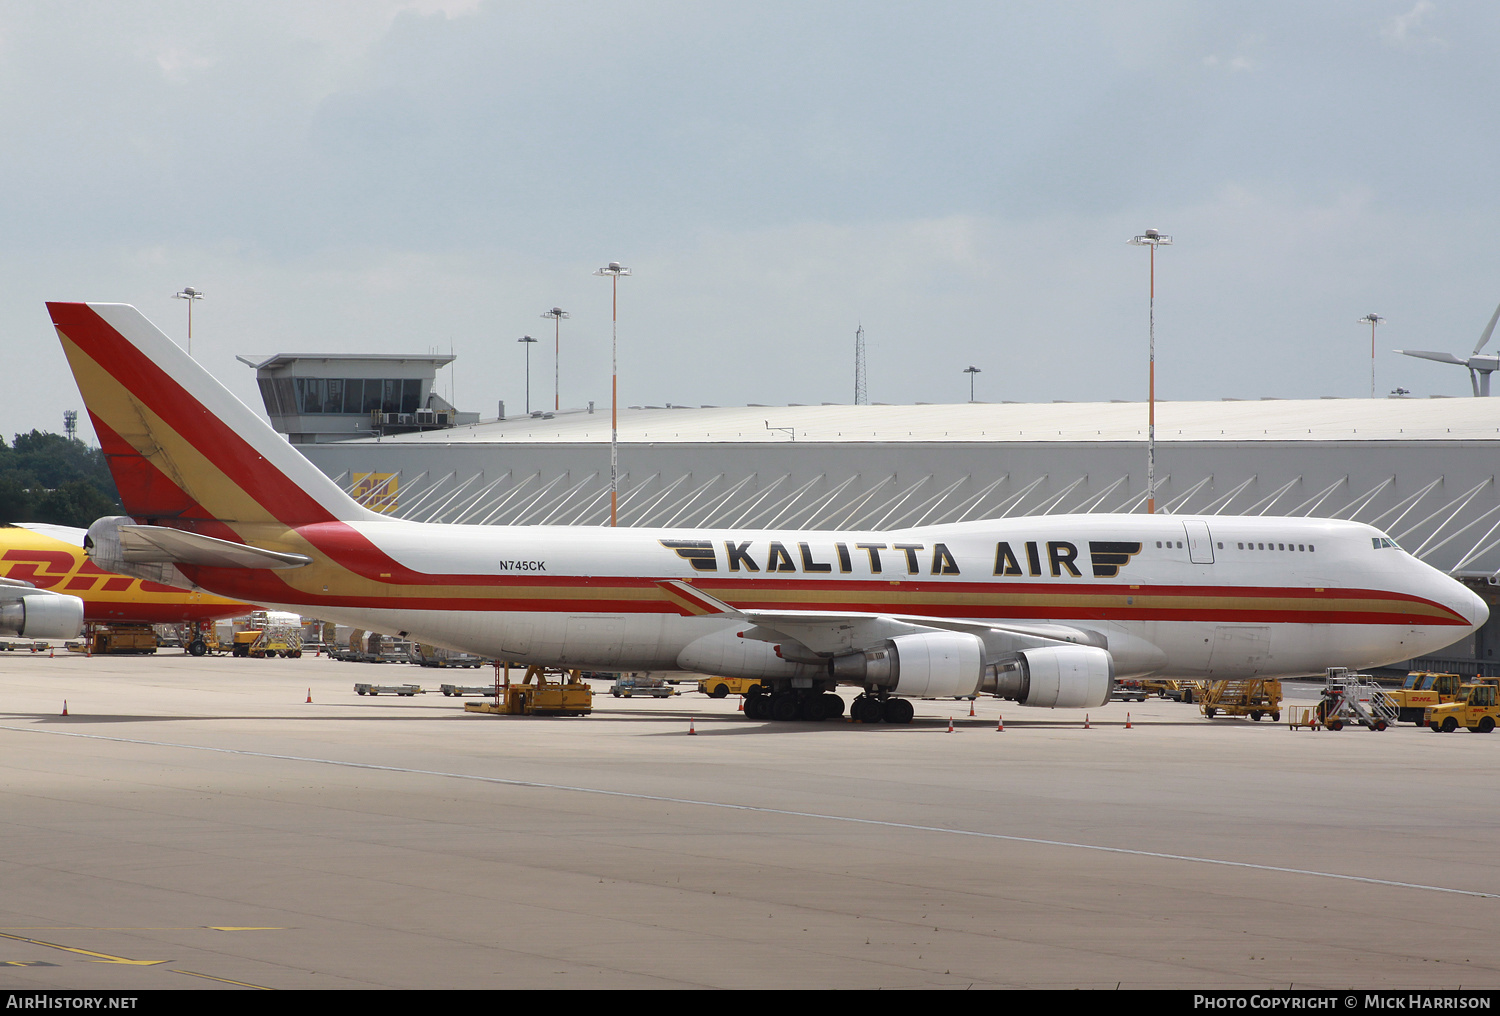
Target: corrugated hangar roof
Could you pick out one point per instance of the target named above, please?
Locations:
(1265, 420)
(1422, 470)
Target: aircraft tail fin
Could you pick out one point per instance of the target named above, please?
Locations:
(183, 450)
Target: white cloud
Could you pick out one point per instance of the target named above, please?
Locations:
(1410, 30)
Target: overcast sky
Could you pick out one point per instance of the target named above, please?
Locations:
(962, 178)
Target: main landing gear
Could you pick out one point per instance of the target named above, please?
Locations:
(784, 706)
(800, 704)
(870, 709)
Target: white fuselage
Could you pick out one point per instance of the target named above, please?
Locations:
(1214, 597)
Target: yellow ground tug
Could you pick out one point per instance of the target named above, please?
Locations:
(719, 687)
(567, 695)
(1474, 708)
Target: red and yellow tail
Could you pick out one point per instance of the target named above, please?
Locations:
(183, 450)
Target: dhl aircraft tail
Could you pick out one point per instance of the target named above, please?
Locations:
(185, 453)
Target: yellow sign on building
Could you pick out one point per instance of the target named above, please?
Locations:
(376, 491)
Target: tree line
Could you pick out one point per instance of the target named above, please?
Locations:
(51, 478)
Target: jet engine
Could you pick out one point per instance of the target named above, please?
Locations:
(40, 614)
(1065, 677)
(944, 664)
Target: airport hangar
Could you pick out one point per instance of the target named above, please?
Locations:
(1421, 470)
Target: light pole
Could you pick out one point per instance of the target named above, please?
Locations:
(556, 314)
(189, 294)
(971, 370)
(527, 340)
(614, 270)
(1372, 319)
(1151, 238)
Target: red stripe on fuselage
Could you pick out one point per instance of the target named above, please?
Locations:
(1219, 604)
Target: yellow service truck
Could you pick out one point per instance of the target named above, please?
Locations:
(1474, 708)
(719, 687)
(1422, 690)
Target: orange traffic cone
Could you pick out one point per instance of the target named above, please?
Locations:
(65, 707)
(309, 695)
(742, 703)
(1085, 721)
(1127, 721)
(692, 725)
(971, 707)
(1000, 726)
(950, 724)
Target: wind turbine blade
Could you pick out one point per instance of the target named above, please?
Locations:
(1428, 354)
(1489, 329)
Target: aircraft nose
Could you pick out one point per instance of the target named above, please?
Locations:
(1474, 608)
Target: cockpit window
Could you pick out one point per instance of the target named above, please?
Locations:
(1381, 542)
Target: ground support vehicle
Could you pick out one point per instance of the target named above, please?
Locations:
(1177, 691)
(1130, 690)
(629, 685)
(1354, 698)
(720, 687)
(1250, 697)
(568, 695)
(270, 633)
(201, 639)
(404, 690)
(1421, 691)
(373, 647)
(118, 638)
(1474, 708)
(424, 655)
(460, 690)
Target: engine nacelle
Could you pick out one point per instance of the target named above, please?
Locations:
(945, 664)
(1061, 677)
(42, 615)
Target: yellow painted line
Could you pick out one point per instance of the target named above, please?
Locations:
(222, 980)
(212, 928)
(101, 957)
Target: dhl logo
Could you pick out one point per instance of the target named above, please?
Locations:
(63, 572)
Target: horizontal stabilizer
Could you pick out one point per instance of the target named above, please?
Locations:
(160, 545)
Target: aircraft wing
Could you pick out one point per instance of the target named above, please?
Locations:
(829, 633)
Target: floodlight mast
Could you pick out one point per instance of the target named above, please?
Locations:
(1151, 238)
(556, 314)
(1372, 319)
(528, 340)
(189, 294)
(614, 270)
(971, 370)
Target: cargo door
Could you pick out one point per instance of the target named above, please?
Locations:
(1240, 651)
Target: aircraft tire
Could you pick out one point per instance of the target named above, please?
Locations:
(197, 647)
(833, 705)
(812, 709)
(783, 707)
(898, 711)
